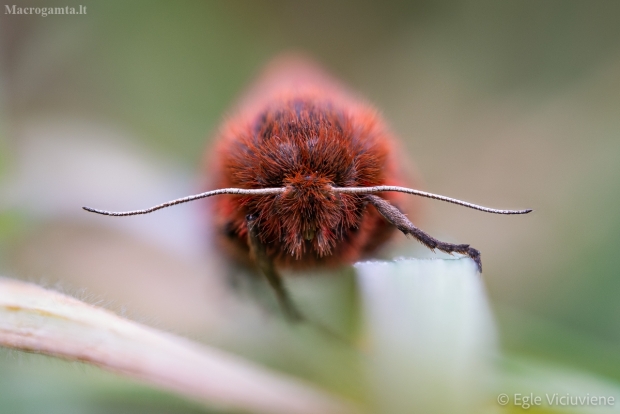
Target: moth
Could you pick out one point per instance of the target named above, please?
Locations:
(307, 174)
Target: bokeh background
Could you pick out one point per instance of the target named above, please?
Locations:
(512, 104)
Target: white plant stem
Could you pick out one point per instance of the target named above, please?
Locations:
(37, 320)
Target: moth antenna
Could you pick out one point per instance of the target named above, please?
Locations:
(381, 188)
(237, 191)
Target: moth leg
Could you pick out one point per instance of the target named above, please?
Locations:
(402, 223)
(266, 267)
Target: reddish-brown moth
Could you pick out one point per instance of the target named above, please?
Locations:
(308, 175)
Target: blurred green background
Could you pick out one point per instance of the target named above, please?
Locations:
(512, 104)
